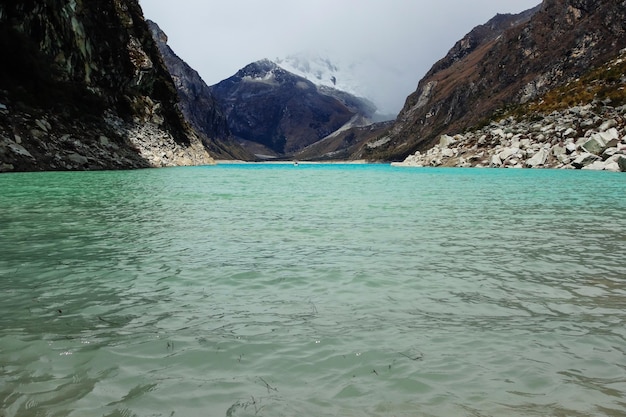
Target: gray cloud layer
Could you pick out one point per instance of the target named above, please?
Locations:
(397, 41)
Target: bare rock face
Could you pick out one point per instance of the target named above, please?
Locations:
(509, 61)
(78, 72)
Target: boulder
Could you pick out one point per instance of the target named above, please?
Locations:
(446, 140)
(609, 152)
(463, 163)
(569, 133)
(78, 159)
(495, 162)
(598, 165)
(447, 152)
(558, 150)
(612, 143)
(498, 132)
(563, 158)
(43, 125)
(612, 166)
(508, 152)
(20, 150)
(595, 145)
(571, 148)
(607, 125)
(538, 158)
(621, 161)
(609, 135)
(512, 162)
(584, 160)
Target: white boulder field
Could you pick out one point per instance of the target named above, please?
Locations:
(581, 137)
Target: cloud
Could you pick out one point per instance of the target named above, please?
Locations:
(394, 41)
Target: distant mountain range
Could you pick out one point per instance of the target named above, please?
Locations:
(321, 71)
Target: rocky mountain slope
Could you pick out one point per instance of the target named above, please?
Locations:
(550, 132)
(197, 103)
(82, 86)
(510, 61)
(344, 144)
(277, 113)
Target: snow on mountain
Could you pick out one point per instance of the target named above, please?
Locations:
(332, 73)
(322, 71)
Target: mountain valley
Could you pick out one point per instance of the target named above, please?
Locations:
(97, 87)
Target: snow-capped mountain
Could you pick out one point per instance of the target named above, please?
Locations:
(334, 73)
(283, 112)
(323, 71)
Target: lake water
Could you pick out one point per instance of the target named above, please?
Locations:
(317, 290)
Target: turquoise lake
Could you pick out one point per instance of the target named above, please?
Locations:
(317, 290)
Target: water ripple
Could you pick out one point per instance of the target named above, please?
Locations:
(327, 290)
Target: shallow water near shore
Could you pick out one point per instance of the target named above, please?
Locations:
(317, 290)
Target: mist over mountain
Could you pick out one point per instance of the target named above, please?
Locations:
(341, 75)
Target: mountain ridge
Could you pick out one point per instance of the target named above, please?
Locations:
(559, 42)
(197, 103)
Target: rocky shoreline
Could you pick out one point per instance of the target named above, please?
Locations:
(582, 137)
(39, 141)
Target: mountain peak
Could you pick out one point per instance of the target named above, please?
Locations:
(261, 65)
(266, 71)
(277, 113)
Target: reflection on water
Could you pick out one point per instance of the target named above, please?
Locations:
(322, 290)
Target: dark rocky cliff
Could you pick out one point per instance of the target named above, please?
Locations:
(82, 86)
(509, 61)
(197, 103)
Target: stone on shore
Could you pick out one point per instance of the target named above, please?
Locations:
(621, 161)
(19, 150)
(538, 159)
(568, 139)
(495, 161)
(446, 140)
(595, 145)
(584, 160)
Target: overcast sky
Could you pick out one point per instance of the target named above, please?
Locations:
(396, 41)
